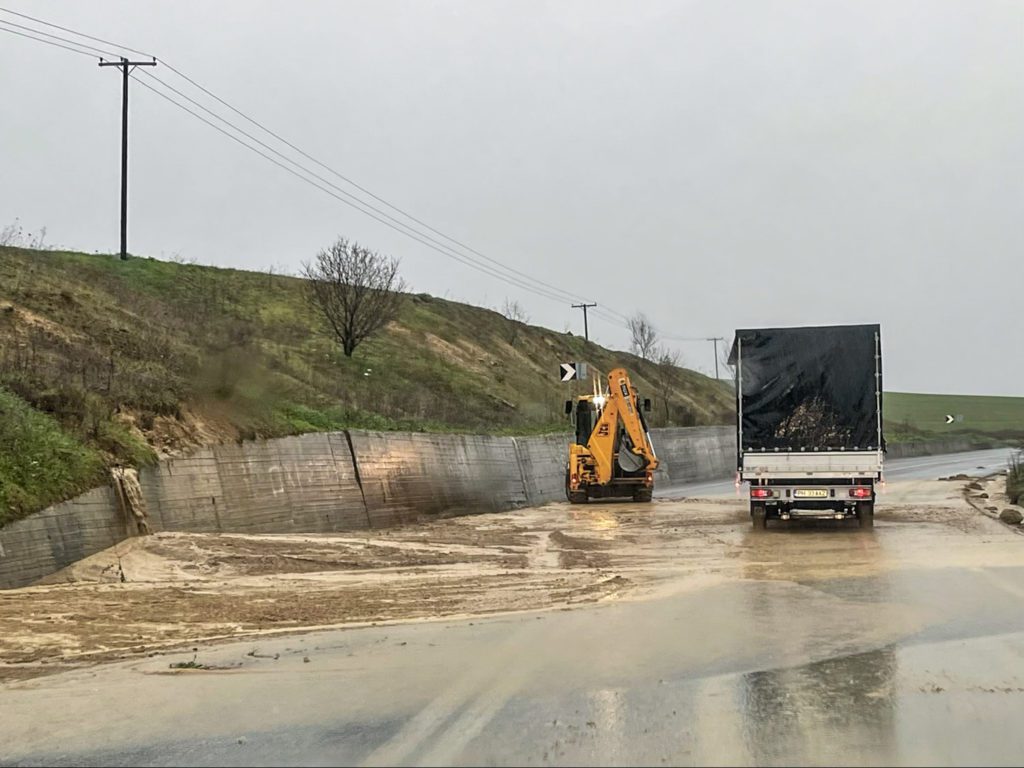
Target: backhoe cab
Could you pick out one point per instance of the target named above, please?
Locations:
(611, 453)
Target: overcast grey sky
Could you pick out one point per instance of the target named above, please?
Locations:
(718, 164)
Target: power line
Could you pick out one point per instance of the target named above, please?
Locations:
(447, 250)
(287, 143)
(48, 42)
(411, 234)
(58, 37)
(364, 189)
(75, 32)
(515, 277)
(516, 281)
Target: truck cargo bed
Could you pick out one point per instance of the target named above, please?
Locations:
(806, 464)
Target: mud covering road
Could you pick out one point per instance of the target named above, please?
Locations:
(668, 633)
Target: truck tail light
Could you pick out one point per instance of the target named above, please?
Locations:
(861, 492)
(761, 493)
(574, 480)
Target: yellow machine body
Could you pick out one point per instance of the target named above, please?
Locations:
(611, 453)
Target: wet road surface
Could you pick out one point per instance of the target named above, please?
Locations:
(810, 644)
(922, 467)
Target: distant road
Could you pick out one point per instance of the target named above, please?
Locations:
(920, 468)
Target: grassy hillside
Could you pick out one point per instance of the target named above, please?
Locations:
(103, 361)
(908, 415)
(39, 462)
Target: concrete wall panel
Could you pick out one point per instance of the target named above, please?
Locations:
(58, 536)
(406, 475)
(542, 461)
(687, 454)
(184, 494)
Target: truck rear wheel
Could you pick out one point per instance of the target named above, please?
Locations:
(866, 514)
(643, 495)
(758, 517)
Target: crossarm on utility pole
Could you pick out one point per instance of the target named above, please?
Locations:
(584, 307)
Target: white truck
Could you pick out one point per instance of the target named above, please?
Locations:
(809, 421)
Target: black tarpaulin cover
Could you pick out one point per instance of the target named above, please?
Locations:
(808, 388)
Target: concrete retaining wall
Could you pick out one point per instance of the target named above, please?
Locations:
(58, 536)
(934, 447)
(542, 462)
(344, 481)
(408, 474)
(694, 453)
(295, 484)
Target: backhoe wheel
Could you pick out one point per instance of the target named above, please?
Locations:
(643, 495)
(866, 514)
(574, 497)
(758, 517)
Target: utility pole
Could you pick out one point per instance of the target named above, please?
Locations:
(716, 339)
(584, 307)
(124, 65)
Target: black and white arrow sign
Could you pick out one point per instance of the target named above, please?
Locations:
(567, 371)
(950, 418)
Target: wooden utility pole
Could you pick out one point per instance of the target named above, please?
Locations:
(126, 68)
(716, 339)
(584, 307)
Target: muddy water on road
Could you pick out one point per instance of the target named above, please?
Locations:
(694, 639)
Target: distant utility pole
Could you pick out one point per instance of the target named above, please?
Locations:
(716, 339)
(126, 68)
(584, 307)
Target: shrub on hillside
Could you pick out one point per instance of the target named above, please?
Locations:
(1015, 478)
(40, 463)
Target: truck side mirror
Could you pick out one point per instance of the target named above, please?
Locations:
(568, 407)
(647, 404)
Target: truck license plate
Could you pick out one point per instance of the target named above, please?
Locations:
(811, 493)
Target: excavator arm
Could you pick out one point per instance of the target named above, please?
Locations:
(620, 430)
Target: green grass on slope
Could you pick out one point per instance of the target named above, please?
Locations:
(908, 415)
(39, 463)
(142, 355)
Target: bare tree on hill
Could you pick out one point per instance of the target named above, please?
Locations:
(356, 290)
(668, 362)
(643, 336)
(516, 317)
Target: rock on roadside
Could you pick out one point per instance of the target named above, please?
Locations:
(1011, 516)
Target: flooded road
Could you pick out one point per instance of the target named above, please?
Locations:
(802, 645)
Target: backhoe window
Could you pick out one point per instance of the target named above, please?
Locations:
(584, 421)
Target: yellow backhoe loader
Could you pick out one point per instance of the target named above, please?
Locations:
(611, 452)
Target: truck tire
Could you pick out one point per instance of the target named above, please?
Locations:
(866, 514)
(758, 517)
(643, 495)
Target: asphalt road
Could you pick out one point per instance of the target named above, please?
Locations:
(923, 467)
(902, 645)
